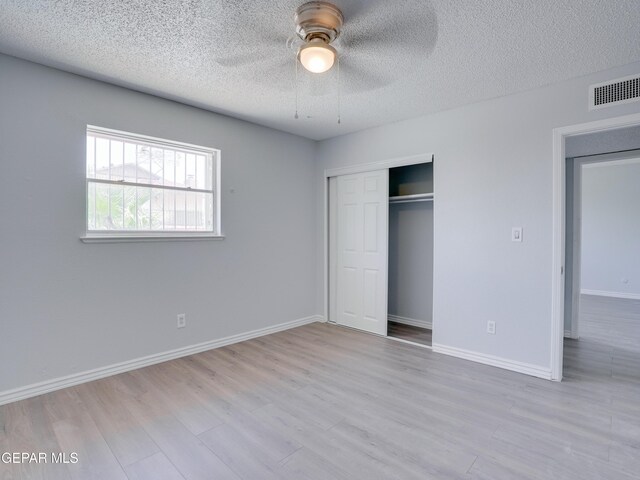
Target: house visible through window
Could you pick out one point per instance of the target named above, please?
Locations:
(143, 186)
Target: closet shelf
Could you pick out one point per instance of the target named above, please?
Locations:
(419, 197)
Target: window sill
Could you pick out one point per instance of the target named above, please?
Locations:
(99, 238)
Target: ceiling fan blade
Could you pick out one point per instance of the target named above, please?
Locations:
(355, 10)
(355, 78)
(271, 73)
(412, 26)
(248, 39)
(276, 46)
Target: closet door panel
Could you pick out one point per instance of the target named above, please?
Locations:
(361, 294)
(371, 228)
(350, 303)
(370, 295)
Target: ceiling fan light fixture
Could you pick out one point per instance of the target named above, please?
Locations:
(317, 56)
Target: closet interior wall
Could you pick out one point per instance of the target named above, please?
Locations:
(410, 297)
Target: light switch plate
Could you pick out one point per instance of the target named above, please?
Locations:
(516, 234)
(491, 327)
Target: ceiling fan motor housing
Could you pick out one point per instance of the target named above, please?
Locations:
(318, 21)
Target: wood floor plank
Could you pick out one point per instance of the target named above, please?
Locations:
(80, 434)
(244, 455)
(155, 467)
(125, 436)
(305, 464)
(165, 381)
(183, 449)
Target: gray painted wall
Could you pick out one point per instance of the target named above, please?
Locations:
(494, 171)
(611, 228)
(66, 306)
(411, 260)
(570, 263)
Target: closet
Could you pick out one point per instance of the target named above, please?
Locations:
(410, 283)
(380, 251)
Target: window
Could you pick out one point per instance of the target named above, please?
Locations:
(143, 187)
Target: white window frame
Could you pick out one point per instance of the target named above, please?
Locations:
(103, 236)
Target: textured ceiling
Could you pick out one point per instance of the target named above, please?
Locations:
(399, 59)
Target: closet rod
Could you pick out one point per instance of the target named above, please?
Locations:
(394, 202)
(419, 197)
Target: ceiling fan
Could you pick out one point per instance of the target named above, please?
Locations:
(318, 24)
(373, 42)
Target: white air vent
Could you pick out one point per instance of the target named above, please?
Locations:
(614, 92)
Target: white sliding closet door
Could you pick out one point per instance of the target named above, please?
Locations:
(362, 243)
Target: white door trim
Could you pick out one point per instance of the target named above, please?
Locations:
(379, 165)
(557, 263)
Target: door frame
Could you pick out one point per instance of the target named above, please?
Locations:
(558, 219)
(347, 170)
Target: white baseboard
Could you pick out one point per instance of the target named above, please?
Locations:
(410, 321)
(47, 386)
(602, 293)
(526, 368)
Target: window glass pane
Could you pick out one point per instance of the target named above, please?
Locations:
(125, 207)
(180, 170)
(191, 170)
(203, 209)
(157, 209)
(102, 207)
(209, 172)
(180, 210)
(130, 210)
(117, 157)
(201, 172)
(102, 158)
(91, 206)
(91, 159)
(116, 217)
(157, 167)
(143, 172)
(169, 167)
(143, 201)
(209, 211)
(169, 204)
(191, 211)
(129, 162)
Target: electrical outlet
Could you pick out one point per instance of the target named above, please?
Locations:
(491, 327)
(182, 320)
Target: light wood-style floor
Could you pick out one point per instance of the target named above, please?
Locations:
(409, 333)
(324, 402)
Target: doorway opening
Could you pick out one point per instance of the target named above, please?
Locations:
(411, 203)
(576, 148)
(602, 283)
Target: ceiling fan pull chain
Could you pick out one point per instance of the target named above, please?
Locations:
(296, 88)
(338, 60)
